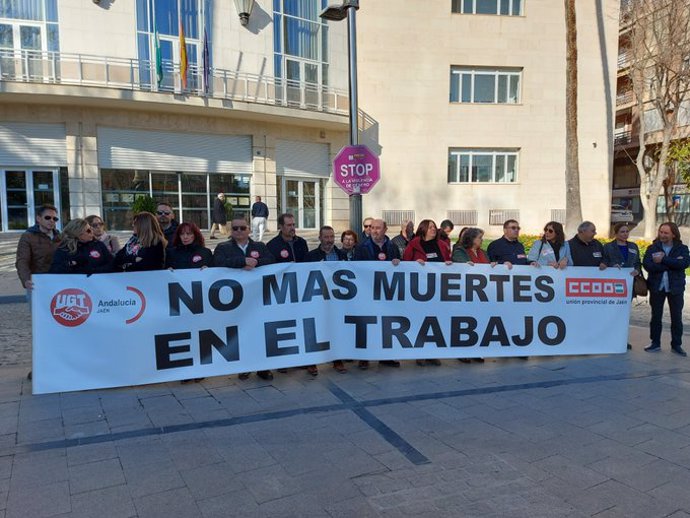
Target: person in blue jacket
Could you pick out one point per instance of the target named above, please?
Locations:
(666, 260)
(80, 252)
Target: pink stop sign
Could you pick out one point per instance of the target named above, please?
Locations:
(356, 169)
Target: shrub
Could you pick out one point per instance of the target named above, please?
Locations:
(143, 203)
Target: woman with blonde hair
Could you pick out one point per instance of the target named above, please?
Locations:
(101, 234)
(79, 252)
(145, 250)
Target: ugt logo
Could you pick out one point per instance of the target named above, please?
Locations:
(604, 288)
(71, 307)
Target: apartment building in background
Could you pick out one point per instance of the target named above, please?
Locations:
(470, 99)
(96, 108)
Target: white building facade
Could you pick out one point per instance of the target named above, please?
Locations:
(96, 108)
(470, 98)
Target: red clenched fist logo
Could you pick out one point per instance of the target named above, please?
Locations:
(71, 307)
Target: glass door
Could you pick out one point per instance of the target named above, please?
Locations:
(21, 191)
(31, 45)
(302, 199)
(195, 199)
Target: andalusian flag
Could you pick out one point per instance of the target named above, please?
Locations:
(183, 56)
(159, 60)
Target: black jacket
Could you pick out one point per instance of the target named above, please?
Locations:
(613, 256)
(586, 254)
(294, 251)
(370, 251)
(503, 250)
(230, 255)
(259, 210)
(170, 233)
(133, 257)
(316, 255)
(674, 263)
(183, 257)
(91, 257)
(219, 215)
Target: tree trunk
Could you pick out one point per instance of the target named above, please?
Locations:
(573, 206)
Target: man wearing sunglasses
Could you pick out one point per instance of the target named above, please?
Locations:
(37, 246)
(166, 218)
(508, 250)
(241, 252)
(366, 228)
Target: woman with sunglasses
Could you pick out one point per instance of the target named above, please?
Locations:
(552, 249)
(79, 252)
(145, 250)
(100, 233)
(188, 250)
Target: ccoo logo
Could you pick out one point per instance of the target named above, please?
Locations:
(71, 307)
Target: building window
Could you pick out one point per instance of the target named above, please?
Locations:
(482, 165)
(191, 194)
(501, 7)
(164, 16)
(28, 29)
(300, 41)
(485, 85)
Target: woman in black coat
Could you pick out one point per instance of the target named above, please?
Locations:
(219, 217)
(188, 250)
(79, 252)
(145, 250)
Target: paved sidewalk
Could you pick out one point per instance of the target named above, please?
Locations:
(553, 437)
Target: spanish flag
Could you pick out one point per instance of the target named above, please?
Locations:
(183, 57)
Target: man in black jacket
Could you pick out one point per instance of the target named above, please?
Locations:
(327, 251)
(584, 249)
(378, 248)
(166, 217)
(259, 218)
(241, 252)
(508, 250)
(287, 247)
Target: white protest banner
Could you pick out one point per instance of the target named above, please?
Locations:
(123, 329)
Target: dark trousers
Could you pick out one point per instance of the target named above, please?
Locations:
(675, 306)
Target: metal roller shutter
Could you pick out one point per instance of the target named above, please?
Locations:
(168, 151)
(32, 145)
(302, 159)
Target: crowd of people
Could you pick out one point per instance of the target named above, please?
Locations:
(158, 241)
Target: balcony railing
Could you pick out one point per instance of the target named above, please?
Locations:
(623, 98)
(622, 137)
(140, 75)
(623, 60)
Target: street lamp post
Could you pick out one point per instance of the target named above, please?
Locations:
(338, 13)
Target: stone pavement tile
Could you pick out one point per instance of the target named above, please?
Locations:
(160, 403)
(129, 418)
(370, 441)
(78, 431)
(613, 426)
(83, 414)
(169, 418)
(349, 508)
(95, 475)
(190, 449)
(156, 477)
(353, 462)
(678, 418)
(211, 480)
(606, 448)
(36, 471)
(40, 408)
(328, 485)
(380, 483)
(679, 514)
(666, 446)
(143, 450)
(237, 403)
(270, 483)
(52, 499)
(74, 400)
(579, 477)
(345, 421)
(237, 503)
(294, 506)
(40, 431)
(90, 453)
(5, 467)
(112, 502)
(643, 478)
(245, 456)
(612, 493)
(202, 403)
(169, 504)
